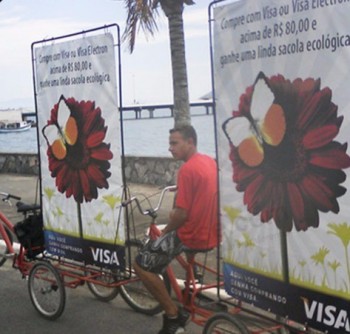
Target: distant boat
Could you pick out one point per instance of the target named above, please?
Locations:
(6, 126)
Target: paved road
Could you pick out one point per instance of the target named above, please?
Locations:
(83, 312)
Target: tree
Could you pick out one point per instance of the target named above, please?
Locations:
(142, 14)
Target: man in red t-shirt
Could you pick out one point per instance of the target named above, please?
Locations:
(192, 223)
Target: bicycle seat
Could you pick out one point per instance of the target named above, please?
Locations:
(22, 207)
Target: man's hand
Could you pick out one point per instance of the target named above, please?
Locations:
(177, 218)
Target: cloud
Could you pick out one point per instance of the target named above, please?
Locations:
(196, 16)
(16, 41)
(20, 26)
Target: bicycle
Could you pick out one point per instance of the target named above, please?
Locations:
(47, 282)
(125, 281)
(190, 294)
(195, 293)
(44, 284)
(10, 231)
(48, 275)
(6, 230)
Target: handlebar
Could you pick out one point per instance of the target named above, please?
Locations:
(7, 197)
(151, 211)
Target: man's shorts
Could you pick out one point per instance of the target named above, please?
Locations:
(156, 255)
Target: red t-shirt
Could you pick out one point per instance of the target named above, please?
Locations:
(197, 194)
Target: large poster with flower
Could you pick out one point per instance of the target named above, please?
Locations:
(283, 124)
(80, 148)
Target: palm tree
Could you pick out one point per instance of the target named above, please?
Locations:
(142, 14)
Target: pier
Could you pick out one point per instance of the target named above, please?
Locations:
(150, 110)
(144, 111)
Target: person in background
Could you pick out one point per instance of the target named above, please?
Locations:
(192, 226)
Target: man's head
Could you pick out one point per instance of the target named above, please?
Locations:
(183, 142)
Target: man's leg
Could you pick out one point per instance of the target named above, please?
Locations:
(156, 287)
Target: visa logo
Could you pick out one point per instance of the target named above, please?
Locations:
(105, 256)
(328, 315)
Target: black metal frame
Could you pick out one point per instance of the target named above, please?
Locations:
(106, 28)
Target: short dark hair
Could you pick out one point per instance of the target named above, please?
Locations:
(187, 132)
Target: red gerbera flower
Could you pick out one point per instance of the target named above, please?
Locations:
(290, 167)
(77, 156)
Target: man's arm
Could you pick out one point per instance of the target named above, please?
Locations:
(177, 218)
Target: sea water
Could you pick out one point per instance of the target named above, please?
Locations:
(19, 142)
(141, 137)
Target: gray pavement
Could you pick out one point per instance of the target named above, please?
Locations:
(83, 313)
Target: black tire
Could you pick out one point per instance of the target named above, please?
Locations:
(3, 247)
(224, 323)
(102, 291)
(46, 290)
(134, 292)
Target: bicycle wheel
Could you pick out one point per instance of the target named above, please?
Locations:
(134, 292)
(46, 290)
(3, 247)
(102, 291)
(224, 323)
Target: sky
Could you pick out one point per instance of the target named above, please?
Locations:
(146, 74)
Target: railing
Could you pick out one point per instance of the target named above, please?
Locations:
(148, 110)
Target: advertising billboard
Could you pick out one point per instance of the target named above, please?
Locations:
(80, 148)
(283, 124)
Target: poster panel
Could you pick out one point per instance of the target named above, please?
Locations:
(283, 124)
(80, 149)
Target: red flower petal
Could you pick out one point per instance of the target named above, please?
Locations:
(93, 122)
(62, 179)
(318, 192)
(101, 153)
(265, 215)
(296, 202)
(320, 137)
(283, 219)
(279, 207)
(77, 187)
(85, 185)
(95, 139)
(316, 110)
(270, 199)
(97, 176)
(331, 158)
(251, 195)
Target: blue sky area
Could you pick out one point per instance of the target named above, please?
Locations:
(146, 73)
